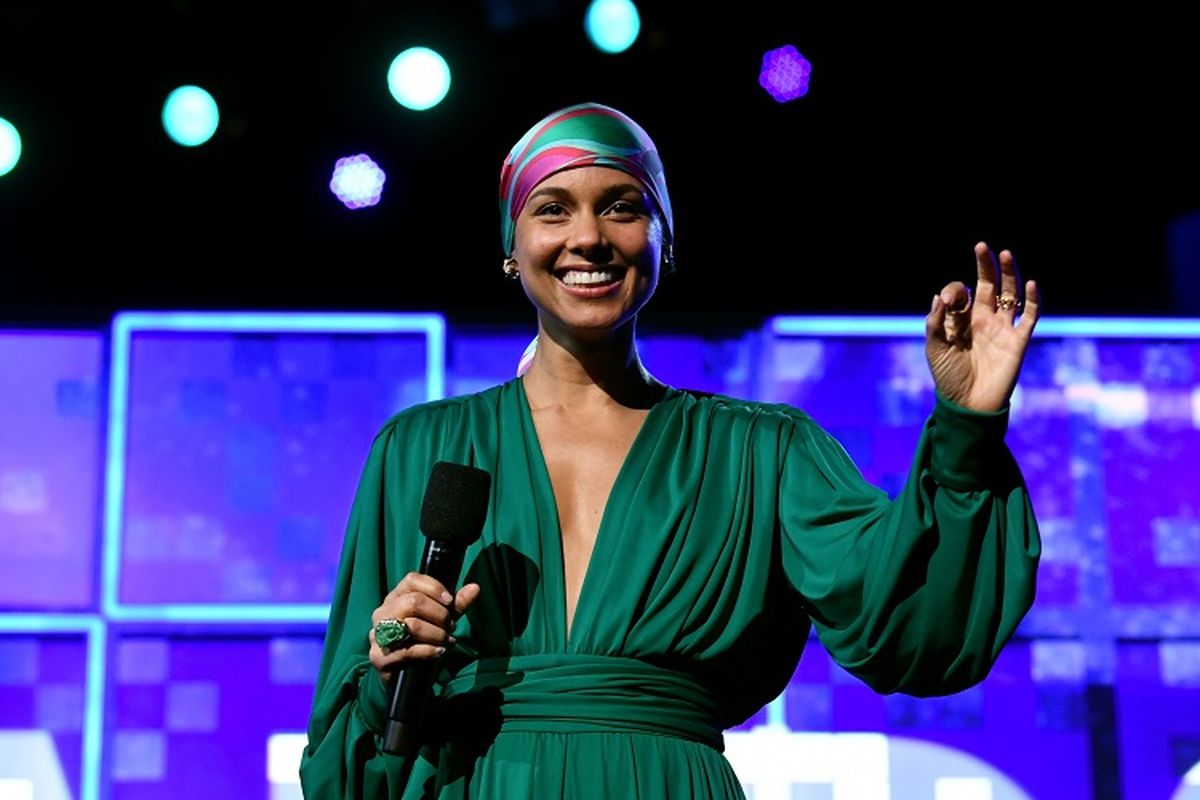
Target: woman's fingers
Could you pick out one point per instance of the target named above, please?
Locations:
(385, 661)
(465, 597)
(986, 276)
(1031, 310)
(425, 641)
(425, 584)
(420, 631)
(413, 604)
(1010, 276)
(999, 281)
(950, 315)
(957, 297)
(417, 601)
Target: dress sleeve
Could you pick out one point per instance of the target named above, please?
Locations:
(917, 594)
(343, 759)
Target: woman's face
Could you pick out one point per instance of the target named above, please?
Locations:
(589, 245)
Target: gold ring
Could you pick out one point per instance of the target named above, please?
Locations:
(1006, 302)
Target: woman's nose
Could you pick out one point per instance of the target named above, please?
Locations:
(587, 234)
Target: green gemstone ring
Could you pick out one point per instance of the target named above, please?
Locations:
(391, 633)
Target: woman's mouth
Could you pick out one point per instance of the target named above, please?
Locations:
(590, 282)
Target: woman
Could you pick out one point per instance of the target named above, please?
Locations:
(653, 558)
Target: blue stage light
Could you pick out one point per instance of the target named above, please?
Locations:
(10, 146)
(190, 116)
(612, 25)
(419, 78)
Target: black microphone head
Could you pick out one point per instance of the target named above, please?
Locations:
(456, 503)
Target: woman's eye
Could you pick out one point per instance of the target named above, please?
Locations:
(551, 209)
(624, 207)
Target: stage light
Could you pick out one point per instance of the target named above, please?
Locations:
(357, 181)
(785, 73)
(419, 78)
(10, 146)
(612, 25)
(190, 116)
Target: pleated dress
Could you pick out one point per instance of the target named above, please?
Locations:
(733, 527)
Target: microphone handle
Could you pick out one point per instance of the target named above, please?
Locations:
(412, 685)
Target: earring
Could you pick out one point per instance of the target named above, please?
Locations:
(668, 259)
(511, 270)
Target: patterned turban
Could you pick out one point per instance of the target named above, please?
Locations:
(585, 135)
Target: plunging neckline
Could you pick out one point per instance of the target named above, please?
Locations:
(541, 478)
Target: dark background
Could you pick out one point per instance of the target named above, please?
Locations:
(1066, 137)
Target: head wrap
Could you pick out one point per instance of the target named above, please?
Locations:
(585, 135)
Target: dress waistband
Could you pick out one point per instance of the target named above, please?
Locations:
(565, 692)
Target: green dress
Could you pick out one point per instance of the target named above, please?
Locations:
(732, 527)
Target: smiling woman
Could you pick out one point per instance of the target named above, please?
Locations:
(588, 251)
(583, 199)
(653, 558)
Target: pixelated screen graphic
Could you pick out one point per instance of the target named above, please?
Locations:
(243, 449)
(241, 453)
(198, 713)
(51, 438)
(43, 698)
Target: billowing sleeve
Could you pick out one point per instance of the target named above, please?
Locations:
(342, 759)
(917, 594)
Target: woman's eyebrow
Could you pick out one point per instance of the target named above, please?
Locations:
(611, 191)
(552, 191)
(622, 189)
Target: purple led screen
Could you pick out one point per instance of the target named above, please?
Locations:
(1150, 449)
(477, 358)
(51, 428)
(1105, 432)
(193, 716)
(243, 453)
(1097, 697)
(43, 683)
(1016, 721)
(1157, 708)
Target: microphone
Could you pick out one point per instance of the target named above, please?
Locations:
(452, 515)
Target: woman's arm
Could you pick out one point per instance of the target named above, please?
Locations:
(919, 594)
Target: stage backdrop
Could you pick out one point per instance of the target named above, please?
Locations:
(173, 492)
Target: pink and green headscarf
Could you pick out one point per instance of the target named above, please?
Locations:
(585, 135)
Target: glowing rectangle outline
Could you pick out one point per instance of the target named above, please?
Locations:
(95, 631)
(1081, 327)
(124, 325)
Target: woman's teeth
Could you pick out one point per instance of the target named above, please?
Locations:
(581, 278)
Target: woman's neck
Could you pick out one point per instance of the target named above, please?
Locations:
(576, 373)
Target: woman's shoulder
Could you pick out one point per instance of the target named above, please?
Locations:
(729, 406)
(781, 427)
